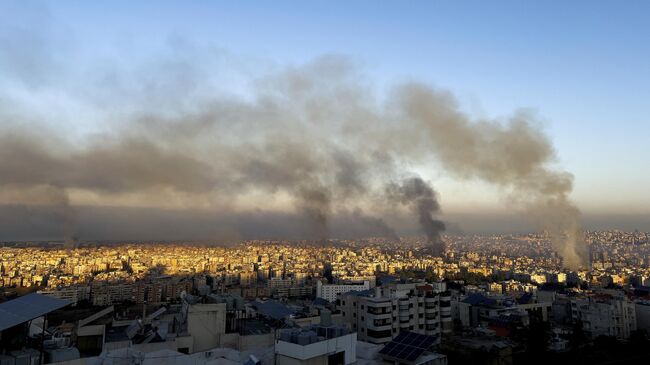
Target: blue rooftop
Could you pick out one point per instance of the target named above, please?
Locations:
(24, 309)
(479, 299)
(320, 301)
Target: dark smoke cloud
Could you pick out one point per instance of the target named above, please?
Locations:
(35, 208)
(311, 143)
(31, 222)
(416, 193)
(516, 155)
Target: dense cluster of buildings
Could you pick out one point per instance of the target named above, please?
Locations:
(255, 269)
(345, 302)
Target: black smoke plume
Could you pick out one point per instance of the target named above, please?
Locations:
(419, 195)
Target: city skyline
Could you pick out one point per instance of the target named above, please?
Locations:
(324, 182)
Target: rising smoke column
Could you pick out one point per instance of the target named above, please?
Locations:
(421, 197)
(515, 155)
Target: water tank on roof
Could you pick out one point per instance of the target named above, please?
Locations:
(303, 339)
(294, 337)
(285, 336)
(325, 317)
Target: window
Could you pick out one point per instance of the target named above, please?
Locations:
(377, 310)
(381, 322)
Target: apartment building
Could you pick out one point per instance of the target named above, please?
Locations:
(380, 315)
(606, 315)
(103, 294)
(330, 292)
(72, 294)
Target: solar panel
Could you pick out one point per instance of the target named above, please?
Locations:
(407, 346)
(389, 346)
(400, 337)
(404, 351)
(393, 351)
(413, 356)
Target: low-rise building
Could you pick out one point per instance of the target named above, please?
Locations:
(316, 345)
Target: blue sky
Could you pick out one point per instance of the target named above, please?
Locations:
(582, 65)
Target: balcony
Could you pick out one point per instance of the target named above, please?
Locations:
(379, 309)
(431, 321)
(379, 316)
(380, 334)
(380, 328)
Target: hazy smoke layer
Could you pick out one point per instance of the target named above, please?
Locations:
(415, 192)
(314, 142)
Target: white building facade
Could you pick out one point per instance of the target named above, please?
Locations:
(330, 292)
(379, 317)
(607, 317)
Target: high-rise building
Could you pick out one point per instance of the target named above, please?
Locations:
(381, 314)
